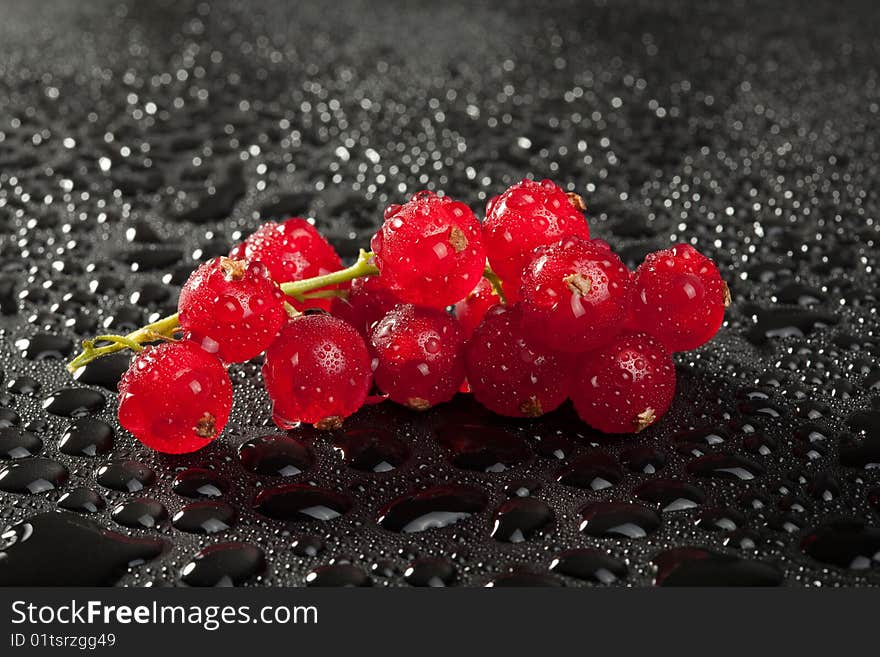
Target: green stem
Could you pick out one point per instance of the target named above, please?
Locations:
(163, 328)
(166, 327)
(495, 282)
(363, 267)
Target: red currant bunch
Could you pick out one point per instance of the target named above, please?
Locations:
(557, 316)
(418, 356)
(430, 250)
(317, 371)
(175, 397)
(231, 308)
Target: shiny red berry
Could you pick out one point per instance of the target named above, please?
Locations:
(175, 397)
(430, 250)
(625, 386)
(528, 215)
(292, 251)
(366, 302)
(417, 356)
(317, 371)
(470, 311)
(575, 295)
(679, 297)
(231, 308)
(507, 374)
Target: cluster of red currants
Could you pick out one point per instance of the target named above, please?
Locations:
(554, 315)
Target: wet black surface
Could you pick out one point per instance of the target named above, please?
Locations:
(139, 138)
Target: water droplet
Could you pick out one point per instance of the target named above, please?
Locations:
(671, 494)
(275, 455)
(139, 513)
(482, 447)
(224, 564)
(520, 518)
(433, 508)
(301, 502)
(371, 450)
(725, 466)
(32, 476)
(126, 476)
(204, 518)
(595, 470)
(589, 565)
(198, 483)
(431, 572)
(694, 566)
(618, 520)
(87, 437)
(74, 402)
(18, 443)
(61, 549)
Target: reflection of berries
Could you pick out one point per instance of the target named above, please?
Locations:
(175, 397)
(366, 303)
(417, 355)
(679, 297)
(231, 308)
(317, 371)
(507, 374)
(575, 295)
(430, 250)
(625, 386)
(528, 215)
(292, 251)
(471, 310)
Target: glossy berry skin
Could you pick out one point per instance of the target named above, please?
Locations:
(418, 356)
(317, 371)
(231, 308)
(366, 303)
(507, 374)
(625, 386)
(292, 251)
(679, 297)
(575, 295)
(470, 311)
(430, 250)
(528, 215)
(175, 397)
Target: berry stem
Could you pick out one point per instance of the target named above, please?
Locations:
(166, 327)
(495, 282)
(363, 267)
(163, 328)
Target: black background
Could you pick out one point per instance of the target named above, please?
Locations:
(139, 138)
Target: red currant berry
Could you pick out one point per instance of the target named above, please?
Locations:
(417, 356)
(175, 397)
(575, 295)
(430, 250)
(317, 371)
(231, 308)
(528, 215)
(292, 251)
(679, 297)
(624, 386)
(470, 311)
(507, 374)
(366, 303)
